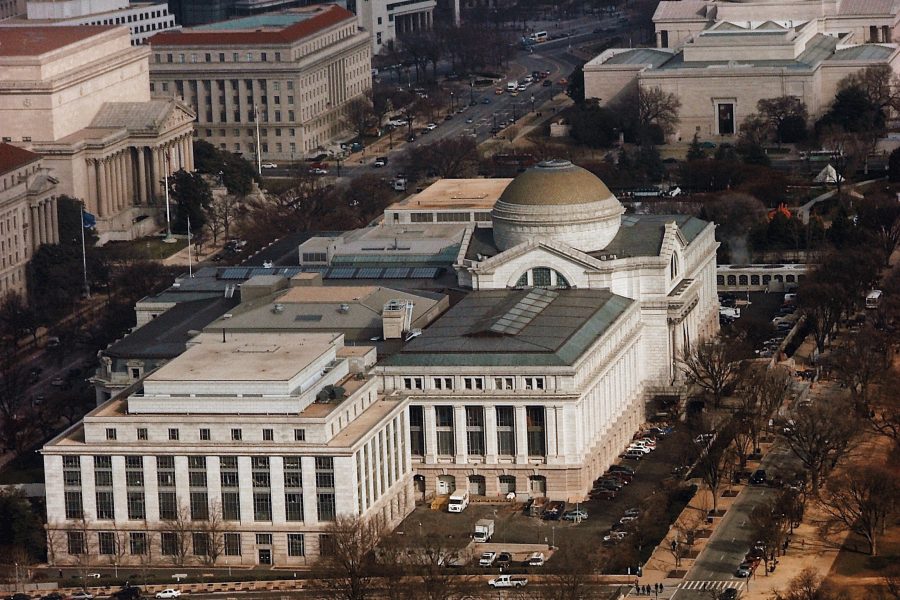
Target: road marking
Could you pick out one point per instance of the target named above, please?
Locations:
(710, 585)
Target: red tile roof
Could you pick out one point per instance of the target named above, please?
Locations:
(13, 157)
(196, 37)
(37, 40)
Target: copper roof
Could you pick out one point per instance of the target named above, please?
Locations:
(13, 157)
(37, 40)
(326, 18)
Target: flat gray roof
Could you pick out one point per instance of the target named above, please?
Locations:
(533, 327)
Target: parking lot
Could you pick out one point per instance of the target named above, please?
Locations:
(654, 491)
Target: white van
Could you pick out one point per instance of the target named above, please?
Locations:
(511, 86)
(536, 559)
(873, 299)
(459, 500)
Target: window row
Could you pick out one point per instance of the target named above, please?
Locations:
(446, 427)
(175, 543)
(204, 434)
(446, 383)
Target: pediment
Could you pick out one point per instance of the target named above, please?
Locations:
(536, 251)
(178, 116)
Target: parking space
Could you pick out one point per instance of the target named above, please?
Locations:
(651, 492)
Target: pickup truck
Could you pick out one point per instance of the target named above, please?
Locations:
(508, 581)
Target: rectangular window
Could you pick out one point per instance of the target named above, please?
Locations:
(136, 510)
(199, 506)
(231, 506)
(413, 383)
(261, 477)
(293, 506)
(165, 471)
(168, 543)
(299, 435)
(263, 539)
(504, 383)
(417, 430)
(236, 435)
(74, 505)
(506, 430)
(201, 544)
(268, 435)
(137, 543)
(534, 416)
(444, 422)
(106, 542)
(205, 435)
(475, 430)
(75, 542)
(105, 505)
(262, 506)
(232, 543)
(473, 383)
(325, 500)
(142, 434)
(296, 545)
(442, 383)
(534, 383)
(168, 506)
(111, 433)
(173, 434)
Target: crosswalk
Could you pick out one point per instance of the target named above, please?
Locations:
(710, 585)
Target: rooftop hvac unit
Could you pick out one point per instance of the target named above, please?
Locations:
(278, 309)
(344, 308)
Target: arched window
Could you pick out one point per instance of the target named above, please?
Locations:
(673, 265)
(542, 277)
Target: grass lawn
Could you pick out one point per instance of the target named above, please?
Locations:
(152, 248)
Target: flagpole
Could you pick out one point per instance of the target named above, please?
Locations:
(168, 239)
(190, 262)
(87, 287)
(258, 147)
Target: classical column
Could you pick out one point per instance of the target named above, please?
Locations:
(42, 222)
(120, 180)
(92, 195)
(521, 436)
(110, 190)
(157, 173)
(54, 220)
(430, 434)
(102, 190)
(186, 144)
(459, 434)
(35, 231)
(130, 178)
(142, 175)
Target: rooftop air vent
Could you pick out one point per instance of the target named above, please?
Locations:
(344, 309)
(278, 309)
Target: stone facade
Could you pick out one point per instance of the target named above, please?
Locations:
(28, 214)
(387, 21)
(79, 96)
(264, 487)
(143, 19)
(294, 79)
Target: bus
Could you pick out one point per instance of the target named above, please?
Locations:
(873, 299)
(538, 37)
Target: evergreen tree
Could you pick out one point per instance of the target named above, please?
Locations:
(192, 198)
(695, 151)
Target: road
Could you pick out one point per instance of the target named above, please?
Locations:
(714, 568)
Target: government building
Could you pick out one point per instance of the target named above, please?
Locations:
(284, 80)
(568, 317)
(244, 448)
(720, 58)
(79, 96)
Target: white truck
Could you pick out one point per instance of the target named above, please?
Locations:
(508, 581)
(484, 530)
(459, 500)
(512, 86)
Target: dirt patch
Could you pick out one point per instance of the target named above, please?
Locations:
(730, 493)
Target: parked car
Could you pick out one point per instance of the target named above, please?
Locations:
(621, 468)
(318, 171)
(82, 595)
(381, 161)
(269, 165)
(487, 559)
(128, 592)
(633, 512)
(554, 511)
(504, 559)
(729, 594)
(535, 560)
(168, 593)
(575, 515)
(508, 581)
(615, 536)
(602, 494)
(634, 454)
(758, 477)
(609, 483)
(745, 569)
(638, 448)
(626, 520)
(546, 83)
(625, 478)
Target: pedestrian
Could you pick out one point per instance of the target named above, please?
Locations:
(637, 588)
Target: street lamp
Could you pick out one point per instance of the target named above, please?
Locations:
(471, 93)
(532, 103)
(451, 103)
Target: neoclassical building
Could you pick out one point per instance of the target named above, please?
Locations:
(536, 380)
(80, 97)
(28, 216)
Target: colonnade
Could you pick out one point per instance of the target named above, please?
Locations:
(418, 21)
(133, 176)
(44, 223)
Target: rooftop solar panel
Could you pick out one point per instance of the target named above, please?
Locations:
(341, 273)
(425, 272)
(238, 273)
(396, 273)
(369, 273)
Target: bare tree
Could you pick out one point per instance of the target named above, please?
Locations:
(863, 500)
(180, 529)
(214, 528)
(821, 302)
(714, 463)
(821, 435)
(572, 578)
(658, 107)
(712, 365)
(762, 392)
(770, 528)
(778, 111)
(860, 363)
(348, 565)
(808, 585)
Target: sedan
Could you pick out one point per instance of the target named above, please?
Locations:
(269, 165)
(431, 127)
(745, 569)
(615, 536)
(381, 161)
(504, 559)
(168, 593)
(729, 594)
(575, 515)
(626, 520)
(633, 512)
(82, 595)
(318, 171)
